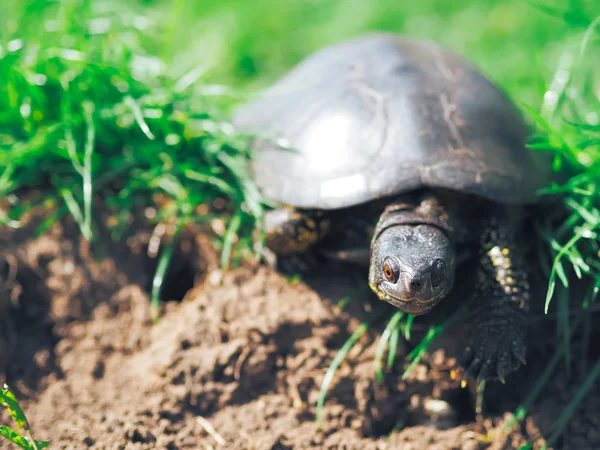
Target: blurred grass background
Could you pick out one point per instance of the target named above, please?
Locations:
(129, 99)
(519, 44)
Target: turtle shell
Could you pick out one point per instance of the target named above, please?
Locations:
(381, 115)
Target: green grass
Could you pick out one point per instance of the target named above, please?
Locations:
(21, 438)
(126, 104)
(90, 113)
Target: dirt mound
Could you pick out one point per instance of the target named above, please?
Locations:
(237, 363)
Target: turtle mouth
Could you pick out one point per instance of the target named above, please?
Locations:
(411, 305)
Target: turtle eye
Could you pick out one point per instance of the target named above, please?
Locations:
(391, 271)
(438, 272)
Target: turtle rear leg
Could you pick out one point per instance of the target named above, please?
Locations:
(497, 344)
(290, 238)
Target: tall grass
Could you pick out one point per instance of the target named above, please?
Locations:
(92, 111)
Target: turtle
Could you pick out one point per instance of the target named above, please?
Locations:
(398, 154)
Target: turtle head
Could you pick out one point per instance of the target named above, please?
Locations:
(412, 266)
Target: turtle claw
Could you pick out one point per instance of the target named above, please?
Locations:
(486, 372)
(495, 350)
(505, 364)
(519, 351)
(471, 363)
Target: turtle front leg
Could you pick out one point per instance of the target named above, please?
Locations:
(497, 344)
(290, 236)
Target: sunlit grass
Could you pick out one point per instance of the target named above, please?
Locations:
(22, 438)
(335, 364)
(92, 116)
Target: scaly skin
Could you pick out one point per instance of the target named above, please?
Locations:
(288, 231)
(497, 344)
(290, 238)
(292, 235)
(413, 259)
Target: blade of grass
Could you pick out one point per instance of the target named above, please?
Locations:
(552, 281)
(5, 179)
(559, 425)
(68, 127)
(230, 236)
(337, 361)
(9, 402)
(416, 355)
(88, 188)
(75, 211)
(393, 350)
(345, 301)
(589, 299)
(389, 330)
(161, 270)
(23, 442)
(139, 116)
(408, 326)
(542, 381)
(563, 318)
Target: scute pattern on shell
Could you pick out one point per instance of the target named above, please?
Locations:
(381, 115)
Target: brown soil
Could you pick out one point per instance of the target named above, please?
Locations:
(244, 352)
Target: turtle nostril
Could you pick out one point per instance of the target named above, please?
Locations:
(416, 284)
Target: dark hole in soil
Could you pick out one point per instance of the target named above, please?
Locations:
(381, 427)
(188, 266)
(34, 299)
(463, 402)
(460, 400)
(4, 269)
(179, 279)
